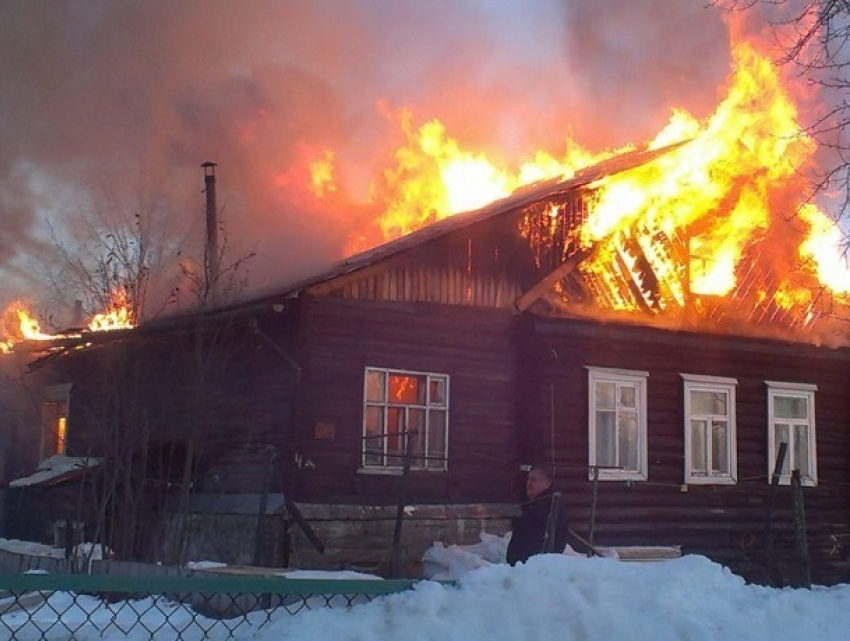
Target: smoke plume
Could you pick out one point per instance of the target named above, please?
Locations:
(131, 97)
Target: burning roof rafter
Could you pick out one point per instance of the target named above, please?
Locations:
(644, 271)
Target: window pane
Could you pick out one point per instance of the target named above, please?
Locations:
(628, 396)
(416, 427)
(395, 425)
(628, 437)
(708, 403)
(407, 389)
(791, 407)
(375, 386)
(438, 392)
(719, 447)
(801, 450)
(436, 440)
(605, 396)
(783, 435)
(698, 463)
(606, 439)
(400, 403)
(374, 447)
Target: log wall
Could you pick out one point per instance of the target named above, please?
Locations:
(727, 523)
(474, 347)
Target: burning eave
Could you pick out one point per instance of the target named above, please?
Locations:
(40, 352)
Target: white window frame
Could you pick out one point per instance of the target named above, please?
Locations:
(796, 390)
(618, 377)
(430, 406)
(713, 384)
(54, 440)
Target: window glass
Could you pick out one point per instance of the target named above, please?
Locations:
(708, 403)
(405, 405)
(54, 416)
(628, 440)
(628, 396)
(719, 447)
(438, 392)
(783, 435)
(606, 439)
(790, 407)
(395, 426)
(801, 450)
(375, 386)
(710, 447)
(406, 389)
(617, 424)
(416, 427)
(698, 457)
(436, 440)
(791, 410)
(605, 395)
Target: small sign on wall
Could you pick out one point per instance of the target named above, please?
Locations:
(324, 431)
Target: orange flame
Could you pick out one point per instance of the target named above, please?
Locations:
(117, 315)
(435, 177)
(17, 324)
(322, 174)
(737, 181)
(718, 189)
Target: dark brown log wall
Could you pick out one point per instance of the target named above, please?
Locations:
(723, 522)
(473, 346)
(148, 391)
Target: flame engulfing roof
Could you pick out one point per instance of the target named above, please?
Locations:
(522, 198)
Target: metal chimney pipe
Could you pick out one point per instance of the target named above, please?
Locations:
(77, 318)
(211, 252)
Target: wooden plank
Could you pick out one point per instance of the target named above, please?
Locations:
(562, 271)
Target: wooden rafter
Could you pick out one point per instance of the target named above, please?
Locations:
(561, 271)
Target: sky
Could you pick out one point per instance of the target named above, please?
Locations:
(551, 596)
(109, 107)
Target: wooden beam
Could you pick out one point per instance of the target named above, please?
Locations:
(561, 271)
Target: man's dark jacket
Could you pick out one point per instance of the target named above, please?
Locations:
(529, 535)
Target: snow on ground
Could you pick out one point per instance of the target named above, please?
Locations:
(550, 597)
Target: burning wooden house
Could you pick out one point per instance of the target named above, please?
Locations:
(654, 327)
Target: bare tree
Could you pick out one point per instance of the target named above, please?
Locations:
(151, 397)
(115, 251)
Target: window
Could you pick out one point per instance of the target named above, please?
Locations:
(398, 403)
(617, 423)
(791, 419)
(54, 420)
(710, 452)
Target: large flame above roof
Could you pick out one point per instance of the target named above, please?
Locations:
(725, 215)
(716, 225)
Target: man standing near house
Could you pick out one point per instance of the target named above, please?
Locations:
(543, 525)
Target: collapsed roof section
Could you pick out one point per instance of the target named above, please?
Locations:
(645, 273)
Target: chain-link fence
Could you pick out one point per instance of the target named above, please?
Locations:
(52, 606)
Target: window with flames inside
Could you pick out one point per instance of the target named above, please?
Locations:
(54, 419)
(402, 405)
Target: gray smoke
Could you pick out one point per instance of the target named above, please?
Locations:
(131, 97)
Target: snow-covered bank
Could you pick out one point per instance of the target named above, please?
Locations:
(550, 597)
